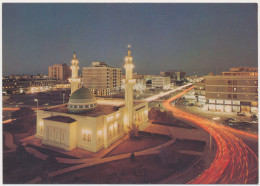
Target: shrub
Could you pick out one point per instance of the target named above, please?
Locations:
(133, 131)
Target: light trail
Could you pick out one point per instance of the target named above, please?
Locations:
(234, 161)
(154, 97)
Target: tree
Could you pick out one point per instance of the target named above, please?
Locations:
(160, 116)
(133, 131)
(24, 118)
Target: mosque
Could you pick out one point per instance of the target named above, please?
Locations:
(85, 122)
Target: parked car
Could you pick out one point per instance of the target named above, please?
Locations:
(254, 116)
(254, 122)
(232, 120)
(241, 114)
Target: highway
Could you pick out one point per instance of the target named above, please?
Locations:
(235, 162)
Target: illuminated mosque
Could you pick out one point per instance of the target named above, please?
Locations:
(91, 124)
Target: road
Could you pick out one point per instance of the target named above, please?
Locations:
(235, 162)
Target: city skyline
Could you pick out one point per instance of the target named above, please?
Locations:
(197, 38)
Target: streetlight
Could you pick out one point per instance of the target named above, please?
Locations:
(36, 101)
(63, 97)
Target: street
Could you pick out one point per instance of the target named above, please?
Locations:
(235, 162)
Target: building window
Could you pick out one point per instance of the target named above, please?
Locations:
(256, 82)
(235, 82)
(62, 136)
(234, 96)
(89, 138)
(41, 128)
(235, 89)
(84, 136)
(118, 127)
(229, 89)
(229, 82)
(229, 96)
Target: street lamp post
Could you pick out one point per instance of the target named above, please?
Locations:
(36, 101)
(63, 97)
(210, 138)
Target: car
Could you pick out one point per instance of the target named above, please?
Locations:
(241, 114)
(232, 120)
(254, 122)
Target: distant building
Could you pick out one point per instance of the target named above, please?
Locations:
(102, 79)
(159, 81)
(140, 82)
(199, 87)
(61, 72)
(175, 75)
(28, 83)
(233, 91)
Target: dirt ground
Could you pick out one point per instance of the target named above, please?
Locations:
(18, 169)
(145, 169)
(134, 145)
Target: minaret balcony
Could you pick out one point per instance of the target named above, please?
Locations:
(129, 81)
(129, 66)
(74, 79)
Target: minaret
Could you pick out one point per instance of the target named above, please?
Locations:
(129, 82)
(74, 80)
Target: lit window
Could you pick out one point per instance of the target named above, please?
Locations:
(234, 89)
(84, 136)
(89, 138)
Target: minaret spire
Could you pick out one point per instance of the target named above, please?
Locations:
(129, 50)
(74, 80)
(129, 82)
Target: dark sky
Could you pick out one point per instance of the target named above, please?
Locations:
(190, 37)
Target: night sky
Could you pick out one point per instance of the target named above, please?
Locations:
(198, 38)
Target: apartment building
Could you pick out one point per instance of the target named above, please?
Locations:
(175, 75)
(233, 91)
(61, 72)
(102, 79)
(159, 81)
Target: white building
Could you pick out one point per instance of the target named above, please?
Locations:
(85, 124)
(159, 81)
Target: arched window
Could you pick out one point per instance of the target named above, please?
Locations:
(84, 136)
(89, 138)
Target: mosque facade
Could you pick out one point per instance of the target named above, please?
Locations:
(87, 124)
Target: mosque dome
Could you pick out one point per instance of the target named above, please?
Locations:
(81, 101)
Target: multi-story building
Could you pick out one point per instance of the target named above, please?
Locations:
(159, 81)
(102, 79)
(175, 75)
(61, 72)
(233, 91)
(31, 84)
(140, 82)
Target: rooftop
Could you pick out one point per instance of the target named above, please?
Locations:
(63, 119)
(101, 109)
